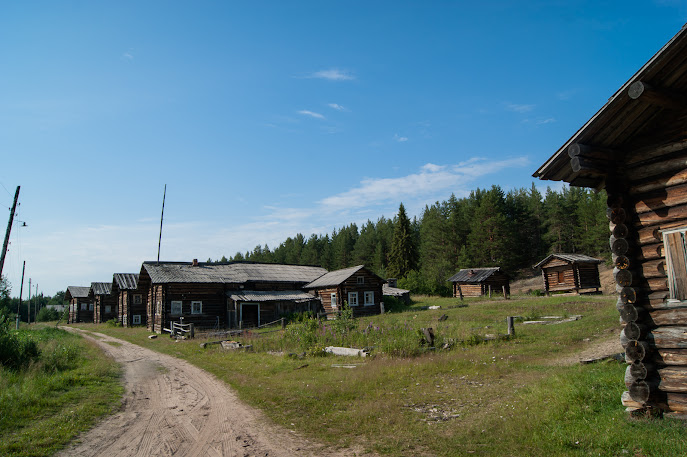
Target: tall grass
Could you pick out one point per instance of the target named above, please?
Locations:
(60, 393)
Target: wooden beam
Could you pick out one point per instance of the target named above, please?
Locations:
(579, 149)
(594, 167)
(640, 90)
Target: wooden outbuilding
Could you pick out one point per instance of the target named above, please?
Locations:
(104, 303)
(224, 295)
(131, 301)
(80, 305)
(476, 282)
(635, 147)
(391, 289)
(358, 287)
(570, 273)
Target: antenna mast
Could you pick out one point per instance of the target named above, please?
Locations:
(162, 216)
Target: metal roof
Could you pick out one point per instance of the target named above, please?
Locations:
(101, 288)
(615, 132)
(393, 291)
(572, 258)
(473, 275)
(126, 281)
(265, 296)
(78, 291)
(240, 272)
(333, 278)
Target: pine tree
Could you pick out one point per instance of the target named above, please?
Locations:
(403, 255)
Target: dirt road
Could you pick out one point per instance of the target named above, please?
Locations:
(172, 408)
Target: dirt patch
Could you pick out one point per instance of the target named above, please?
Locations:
(172, 408)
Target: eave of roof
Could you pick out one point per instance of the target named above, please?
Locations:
(478, 274)
(602, 130)
(334, 278)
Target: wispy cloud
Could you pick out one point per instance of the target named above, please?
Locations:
(306, 112)
(333, 74)
(430, 179)
(546, 121)
(518, 108)
(128, 56)
(336, 106)
(400, 139)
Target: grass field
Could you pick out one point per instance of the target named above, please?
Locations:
(45, 405)
(503, 397)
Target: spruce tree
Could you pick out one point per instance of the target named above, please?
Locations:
(403, 255)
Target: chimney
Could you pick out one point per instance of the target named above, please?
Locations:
(392, 282)
(195, 262)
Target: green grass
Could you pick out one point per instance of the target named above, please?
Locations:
(504, 397)
(43, 407)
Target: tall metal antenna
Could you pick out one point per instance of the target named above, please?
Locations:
(162, 216)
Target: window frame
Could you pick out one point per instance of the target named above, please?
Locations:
(676, 263)
(371, 295)
(136, 319)
(200, 309)
(179, 304)
(353, 297)
(360, 280)
(333, 301)
(138, 299)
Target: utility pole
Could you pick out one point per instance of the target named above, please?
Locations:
(162, 216)
(9, 228)
(38, 303)
(28, 305)
(21, 292)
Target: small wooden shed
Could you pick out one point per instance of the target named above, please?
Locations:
(475, 282)
(80, 305)
(635, 147)
(359, 287)
(131, 301)
(104, 303)
(570, 273)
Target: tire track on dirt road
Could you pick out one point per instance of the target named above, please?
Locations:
(172, 408)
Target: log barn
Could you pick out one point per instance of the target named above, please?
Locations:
(570, 273)
(131, 304)
(80, 305)
(635, 147)
(357, 286)
(476, 282)
(224, 295)
(104, 303)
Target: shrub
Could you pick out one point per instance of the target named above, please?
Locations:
(17, 349)
(47, 314)
(113, 323)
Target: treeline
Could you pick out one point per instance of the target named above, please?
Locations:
(37, 304)
(512, 230)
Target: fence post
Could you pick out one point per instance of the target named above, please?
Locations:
(511, 326)
(381, 307)
(489, 291)
(505, 295)
(283, 323)
(192, 330)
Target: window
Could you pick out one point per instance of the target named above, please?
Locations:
(353, 299)
(138, 299)
(334, 304)
(176, 307)
(360, 280)
(90, 306)
(136, 320)
(676, 260)
(84, 306)
(108, 309)
(196, 307)
(369, 298)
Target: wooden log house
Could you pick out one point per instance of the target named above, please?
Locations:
(570, 273)
(80, 305)
(131, 305)
(358, 287)
(215, 295)
(635, 147)
(104, 303)
(476, 282)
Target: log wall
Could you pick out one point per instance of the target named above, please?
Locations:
(650, 198)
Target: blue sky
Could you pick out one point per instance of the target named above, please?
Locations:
(270, 118)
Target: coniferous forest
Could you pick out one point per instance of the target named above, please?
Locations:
(513, 230)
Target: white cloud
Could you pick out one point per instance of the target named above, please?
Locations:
(128, 56)
(336, 106)
(400, 139)
(519, 108)
(546, 121)
(333, 74)
(306, 112)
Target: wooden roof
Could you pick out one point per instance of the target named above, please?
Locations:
(126, 281)
(630, 120)
(474, 275)
(226, 273)
(267, 296)
(77, 292)
(570, 258)
(336, 277)
(101, 288)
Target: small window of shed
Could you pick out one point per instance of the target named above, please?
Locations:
(676, 260)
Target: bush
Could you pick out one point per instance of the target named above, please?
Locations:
(113, 323)
(47, 314)
(17, 349)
